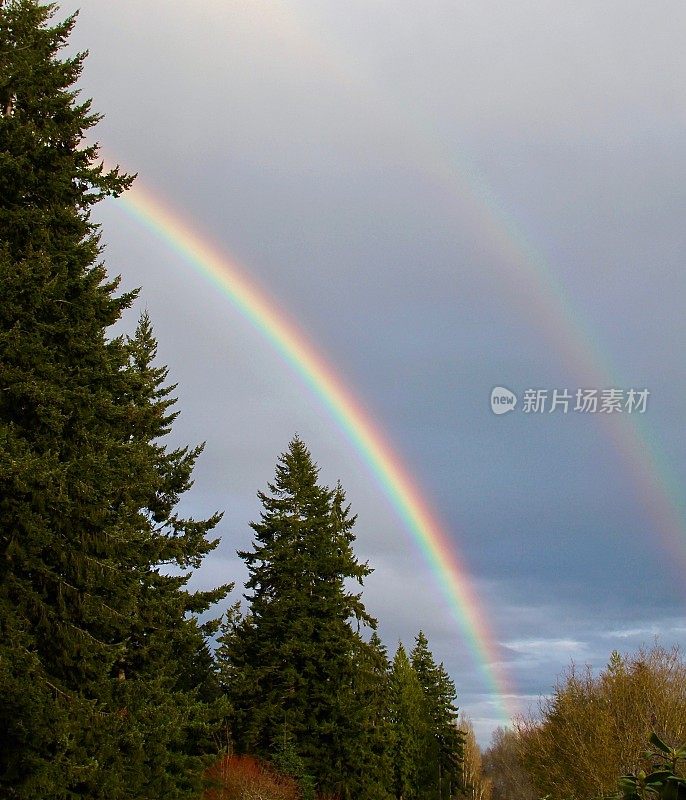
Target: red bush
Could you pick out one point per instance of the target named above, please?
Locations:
(247, 778)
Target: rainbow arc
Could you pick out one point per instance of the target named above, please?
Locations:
(428, 534)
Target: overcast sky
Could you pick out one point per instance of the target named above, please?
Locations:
(447, 197)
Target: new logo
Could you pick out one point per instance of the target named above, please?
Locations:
(502, 400)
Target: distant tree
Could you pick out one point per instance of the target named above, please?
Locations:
(474, 784)
(441, 768)
(104, 687)
(503, 767)
(290, 663)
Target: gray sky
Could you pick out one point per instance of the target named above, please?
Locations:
(409, 180)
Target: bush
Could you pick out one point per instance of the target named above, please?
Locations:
(663, 782)
(247, 778)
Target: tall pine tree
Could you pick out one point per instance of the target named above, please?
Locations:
(290, 663)
(441, 767)
(370, 753)
(105, 687)
(411, 727)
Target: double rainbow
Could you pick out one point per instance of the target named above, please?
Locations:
(526, 273)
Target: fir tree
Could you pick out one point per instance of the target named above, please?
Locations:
(441, 766)
(167, 664)
(370, 753)
(287, 762)
(411, 726)
(451, 740)
(290, 663)
(105, 690)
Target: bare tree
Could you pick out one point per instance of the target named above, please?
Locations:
(504, 769)
(475, 785)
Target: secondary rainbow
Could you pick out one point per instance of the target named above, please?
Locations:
(427, 532)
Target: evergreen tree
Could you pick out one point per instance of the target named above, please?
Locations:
(167, 665)
(442, 765)
(289, 664)
(105, 690)
(287, 762)
(370, 752)
(411, 727)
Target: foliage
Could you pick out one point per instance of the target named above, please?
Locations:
(247, 778)
(663, 782)
(105, 686)
(592, 729)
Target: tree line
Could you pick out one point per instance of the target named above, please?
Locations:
(114, 680)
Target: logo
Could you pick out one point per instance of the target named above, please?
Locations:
(502, 400)
(571, 401)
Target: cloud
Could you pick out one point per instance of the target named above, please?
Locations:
(538, 649)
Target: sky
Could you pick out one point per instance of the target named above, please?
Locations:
(444, 197)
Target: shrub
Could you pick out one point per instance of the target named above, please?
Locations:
(663, 782)
(247, 778)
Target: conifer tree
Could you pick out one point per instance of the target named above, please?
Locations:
(441, 768)
(105, 690)
(289, 664)
(287, 762)
(370, 752)
(411, 727)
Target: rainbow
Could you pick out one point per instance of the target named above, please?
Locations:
(427, 532)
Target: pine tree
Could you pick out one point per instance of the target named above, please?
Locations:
(411, 726)
(450, 738)
(289, 664)
(441, 768)
(167, 665)
(370, 753)
(287, 762)
(105, 690)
